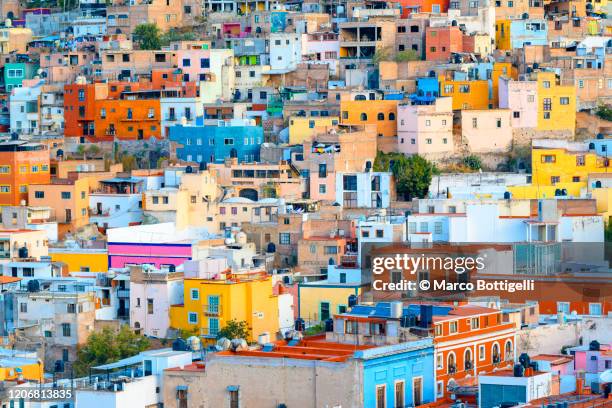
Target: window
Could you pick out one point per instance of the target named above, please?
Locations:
(481, 352)
(475, 323)
(66, 329)
(549, 158)
(474, 123)
(563, 307)
(350, 183)
(580, 83)
(193, 318)
(546, 84)
(509, 351)
(234, 398)
(65, 195)
(438, 227)
(451, 363)
(452, 327)
(498, 122)
(363, 117)
(564, 100)
(5, 189)
(427, 122)
(23, 307)
(381, 396)
(284, 238)
(70, 308)
(547, 104)
(186, 62)
(195, 294)
(228, 142)
(149, 306)
(555, 179)
(440, 389)
(322, 188)
(516, 114)
(449, 89)
(595, 309)
(39, 194)
(322, 170)
(399, 394)
(580, 160)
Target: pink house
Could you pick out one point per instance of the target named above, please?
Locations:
(193, 63)
(520, 97)
(592, 361)
(486, 130)
(425, 129)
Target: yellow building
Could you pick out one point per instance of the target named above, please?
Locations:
(14, 368)
(466, 94)
(379, 112)
(81, 260)
(502, 35)
(556, 169)
(318, 301)
(210, 303)
(304, 128)
(556, 103)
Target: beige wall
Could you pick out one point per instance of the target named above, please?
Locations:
(486, 131)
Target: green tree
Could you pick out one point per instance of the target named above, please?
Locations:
(604, 112)
(412, 174)
(108, 346)
(148, 36)
(472, 162)
(235, 329)
(129, 162)
(408, 55)
(382, 54)
(174, 35)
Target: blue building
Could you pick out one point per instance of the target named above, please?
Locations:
(213, 144)
(528, 32)
(428, 89)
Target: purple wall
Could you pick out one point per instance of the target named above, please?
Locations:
(120, 254)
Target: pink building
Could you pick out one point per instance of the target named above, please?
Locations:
(193, 63)
(486, 130)
(425, 129)
(520, 97)
(321, 48)
(592, 361)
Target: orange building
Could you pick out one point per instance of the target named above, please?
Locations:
(21, 163)
(379, 112)
(442, 41)
(423, 6)
(470, 340)
(125, 110)
(68, 198)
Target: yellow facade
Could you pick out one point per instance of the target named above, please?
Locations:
(30, 371)
(314, 299)
(210, 304)
(558, 169)
(603, 200)
(467, 94)
(303, 129)
(556, 104)
(502, 35)
(81, 260)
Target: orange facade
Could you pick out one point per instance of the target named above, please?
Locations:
(442, 41)
(128, 111)
(469, 341)
(423, 6)
(382, 113)
(21, 164)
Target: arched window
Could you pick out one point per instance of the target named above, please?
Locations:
(598, 184)
(467, 359)
(509, 352)
(495, 353)
(392, 116)
(363, 116)
(360, 97)
(381, 116)
(451, 366)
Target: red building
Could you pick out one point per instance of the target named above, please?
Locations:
(442, 41)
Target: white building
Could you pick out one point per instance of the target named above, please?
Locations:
(493, 388)
(285, 51)
(179, 111)
(139, 389)
(152, 291)
(24, 110)
(363, 190)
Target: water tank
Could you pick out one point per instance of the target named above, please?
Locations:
(59, 366)
(352, 300)
(23, 252)
(507, 195)
(189, 170)
(329, 325)
(300, 325)
(594, 346)
(271, 248)
(239, 345)
(241, 238)
(426, 312)
(179, 345)
(171, 268)
(33, 285)
(519, 370)
(524, 360)
(194, 342)
(263, 339)
(396, 309)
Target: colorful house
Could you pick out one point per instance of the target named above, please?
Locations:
(22, 164)
(304, 128)
(514, 34)
(556, 103)
(212, 301)
(466, 94)
(442, 41)
(217, 141)
(379, 112)
(16, 72)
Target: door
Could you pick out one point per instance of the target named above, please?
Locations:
(148, 367)
(399, 394)
(324, 311)
(417, 391)
(68, 215)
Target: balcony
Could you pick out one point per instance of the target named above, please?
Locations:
(212, 310)
(210, 333)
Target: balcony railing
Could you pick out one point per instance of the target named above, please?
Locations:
(212, 310)
(209, 332)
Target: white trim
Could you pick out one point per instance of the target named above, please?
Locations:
(455, 362)
(395, 392)
(377, 386)
(484, 355)
(437, 394)
(473, 339)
